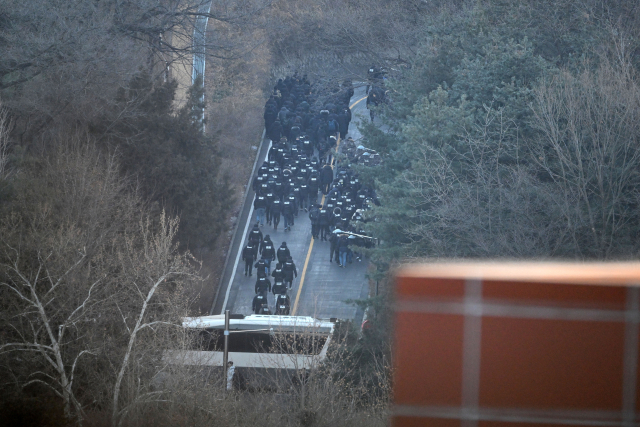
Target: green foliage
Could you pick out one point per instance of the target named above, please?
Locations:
(466, 171)
(363, 357)
(176, 164)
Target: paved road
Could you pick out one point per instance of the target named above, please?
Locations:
(321, 288)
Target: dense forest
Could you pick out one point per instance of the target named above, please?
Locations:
(514, 133)
(511, 130)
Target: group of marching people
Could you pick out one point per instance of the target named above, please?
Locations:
(341, 218)
(304, 127)
(283, 274)
(307, 116)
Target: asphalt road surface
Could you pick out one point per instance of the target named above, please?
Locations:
(321, 288)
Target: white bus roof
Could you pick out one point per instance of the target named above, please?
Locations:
(244, 360)
(257, 322)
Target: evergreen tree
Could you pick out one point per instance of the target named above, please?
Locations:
(467, 162)
(175, 162)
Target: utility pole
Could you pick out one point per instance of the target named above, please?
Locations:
(225, 358)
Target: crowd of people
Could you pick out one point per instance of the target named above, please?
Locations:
(304, 126)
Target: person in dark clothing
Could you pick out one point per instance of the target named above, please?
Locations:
(302, 195)
(266, 241)
(374, 99)
(294, 203)
(326, 178)
(248, 255)
(260, 206)
(276, 210)
(314, 215)
(264, 310)
(268, 253)
(279, 287)
(283, 253)
(343, 122)
(255, 237)
(258, 300)
(263, 285)
(307, 147)
(323, 223)
(333, 249)
(270, 197)
(282, 115)
(313, 183)
(275, 131)
(283, 305)
(287, 212)
(261, 268)
(289, 269)
(278, 274)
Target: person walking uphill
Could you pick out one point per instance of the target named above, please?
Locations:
(289, 269)
(283, 253)
(333, 248)
(258, 300)
(276, 210)
(255, 238)
(260, 206)
(248, 255)
(326, 178)
(323, 223)
(268, 252)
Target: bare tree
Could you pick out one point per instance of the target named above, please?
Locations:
(590, 125)
(63, 63)
(83, 277)
(5, 130)
(154, 271)
(52, 287)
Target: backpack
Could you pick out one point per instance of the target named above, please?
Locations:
(333, 126)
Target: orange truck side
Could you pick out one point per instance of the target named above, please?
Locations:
(517, 344)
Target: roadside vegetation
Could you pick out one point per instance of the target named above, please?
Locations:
(514, 134)
(511, 131)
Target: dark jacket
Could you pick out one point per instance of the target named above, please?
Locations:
(289, 269)
(247, 253)
(313, 183)
(323, 217)
(343, 243)
(258, 300)
(333, 240)
(314, 214)
(287, 207)
(283, 253)
(279, 288)
(255, 236)
(268, 252)
(283, 305)
(264, 309)
(276, 207)
(278, 274)
(259, 202)
(261, 267)
(262, 285)
(326, 174)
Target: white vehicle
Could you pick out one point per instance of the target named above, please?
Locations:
(257, 341)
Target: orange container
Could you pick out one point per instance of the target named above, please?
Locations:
(517, 344)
